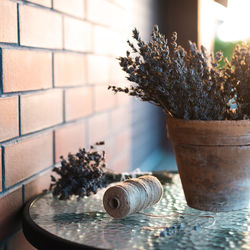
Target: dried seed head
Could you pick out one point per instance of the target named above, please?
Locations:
(174, 36)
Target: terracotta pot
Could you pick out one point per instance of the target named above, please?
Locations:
(213, 159)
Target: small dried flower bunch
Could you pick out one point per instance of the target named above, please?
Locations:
(81, 175)
(187, 84)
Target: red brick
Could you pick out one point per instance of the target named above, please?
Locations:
(10, 210)
(8, 118)
(98, 128)
(41, 110)
(0, 169)
(100, 11)
(121, 118)
(78, 102)
(77, 35)
(126, 19)
(98, 69)
(103, 40)
(46, 3)
(8, 22)
(123, 4)
(27, 157)
(40, 28)
(18, 241)
(69, 69)
(118, 144)
(73, 7)
(122, 141)
(37, 185)
(121, 45)
(69, 139)
(104, 98)
(124, 99)
(26, 70)
(117, 75)
(106, 13)
(122, 163)
(109, 42)
(108, 150)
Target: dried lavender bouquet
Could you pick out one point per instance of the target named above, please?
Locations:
(83, 173)
(188, 84)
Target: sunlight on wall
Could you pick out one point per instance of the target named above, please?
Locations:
(235, 21)
(206, 23)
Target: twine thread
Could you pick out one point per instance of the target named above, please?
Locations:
(132, 196)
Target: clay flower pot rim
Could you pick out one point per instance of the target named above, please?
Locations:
(216, 132)
(230, 122)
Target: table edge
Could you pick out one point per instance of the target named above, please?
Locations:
(42, 239)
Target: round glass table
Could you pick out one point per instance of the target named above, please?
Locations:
(49, 223)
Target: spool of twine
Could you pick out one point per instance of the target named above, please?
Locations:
(132, 196)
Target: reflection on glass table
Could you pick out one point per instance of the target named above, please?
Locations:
(77, 224)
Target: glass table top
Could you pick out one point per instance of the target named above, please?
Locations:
(87, 223)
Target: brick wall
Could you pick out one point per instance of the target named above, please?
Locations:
(57, 58)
